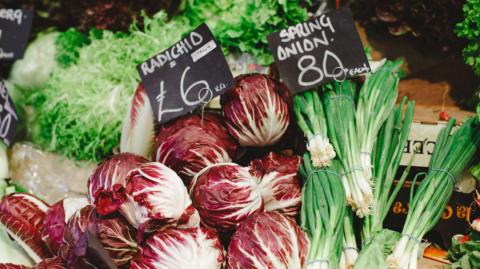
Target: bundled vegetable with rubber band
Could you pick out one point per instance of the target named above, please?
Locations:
(375, 103)
(310, 117)
(323, 211)
(452, 155)
(339, 107)
(386, 156)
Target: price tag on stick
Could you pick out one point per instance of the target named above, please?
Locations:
(15, 26)
(318, 51)
(8, 116)
(185, 76)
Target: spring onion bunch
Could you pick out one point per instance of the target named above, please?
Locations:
(323, 210)
(452, 155)
(375, 103)
(387, 155)
(349, 249)
(310, 117)
(339, 108)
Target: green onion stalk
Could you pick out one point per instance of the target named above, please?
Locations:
(322, 213)
(349, 249)
(453, 154)
(310, 117)
(387, 154)
(339, 108)
(375, 103)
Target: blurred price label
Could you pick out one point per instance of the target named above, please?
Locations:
(8, 116)
(15, 26)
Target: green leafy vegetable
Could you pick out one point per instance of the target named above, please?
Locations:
(469, 29)
(80, 112)
(374, 254)
(68, 43)
(465, 251)
(243, 25)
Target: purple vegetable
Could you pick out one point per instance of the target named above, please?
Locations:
(138, 127)
(181, 248)
(56, 218)
(118, 237)
(226, 194)
(74, 248)
(256, 111)
(50, 263)
(155, 198)
(268, 240)
(189, 144)
(22, 216)
(109, 176)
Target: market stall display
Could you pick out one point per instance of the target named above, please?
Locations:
(266, 176)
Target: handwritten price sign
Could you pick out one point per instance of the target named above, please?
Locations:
(185, 76)
(8, 116)
(318, 51)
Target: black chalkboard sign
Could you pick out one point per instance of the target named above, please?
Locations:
(318, 51)
(186, 75)
(8, 116)
(15, 26)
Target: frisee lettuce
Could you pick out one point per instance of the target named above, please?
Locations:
(79, 113)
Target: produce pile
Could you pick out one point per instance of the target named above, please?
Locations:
(176, 197)
(220, 189)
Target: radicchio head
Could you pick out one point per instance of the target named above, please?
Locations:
(74, 248)
(22, 216)
(189, 144)
(198, 248)
(50, 263)
(268, 240)
(108, 176)
(138, 127)
(155, 197)
(225, 195)
(279, 184)
(118, 237)
(56, 218)
(255, 111)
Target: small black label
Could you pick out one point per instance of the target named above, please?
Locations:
(186, 75)
(15, 26)
(318, 51)
(8, 116)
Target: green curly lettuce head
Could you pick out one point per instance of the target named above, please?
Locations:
(469, 29)
(80, 112)
(243, 25)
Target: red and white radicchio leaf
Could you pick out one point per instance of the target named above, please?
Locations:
(225, 195)
(268, 240)
(279, 185)
(255, 110)
(198, 248)
(50, 263)
(118, 237)
(191, 143)
(74, 248)
(56, 218)
(155, 197)
(108, 176)
(138, 127)
(22, 216)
